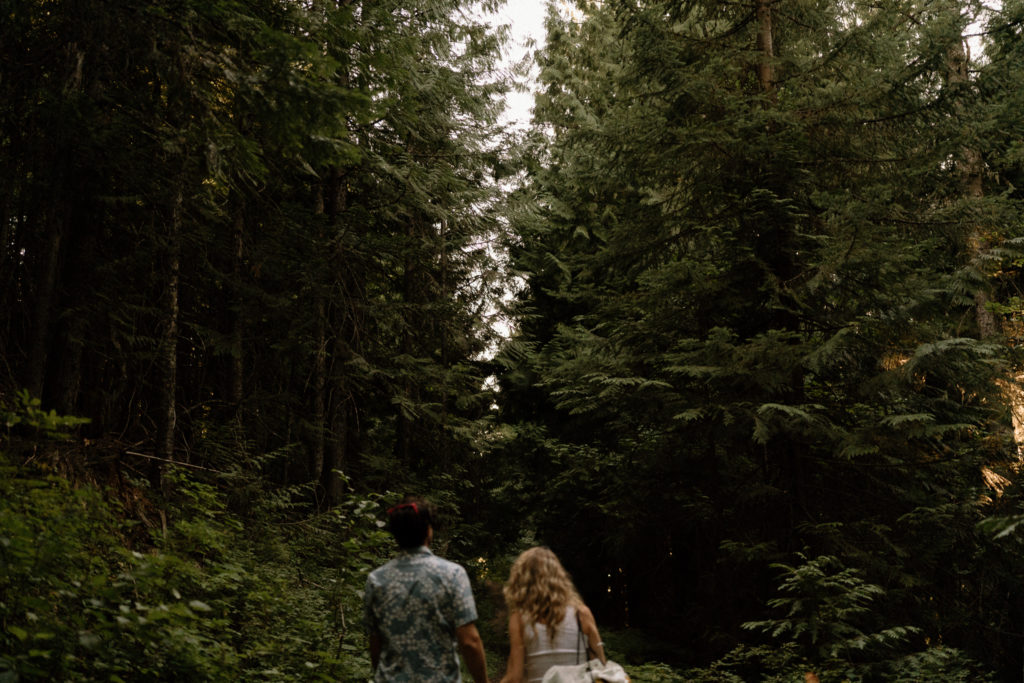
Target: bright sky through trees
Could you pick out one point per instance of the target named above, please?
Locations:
(526, 21)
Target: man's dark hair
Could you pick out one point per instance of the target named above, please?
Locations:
(409, 521)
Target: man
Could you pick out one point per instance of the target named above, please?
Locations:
(419, 608)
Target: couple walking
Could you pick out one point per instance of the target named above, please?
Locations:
(420, 612)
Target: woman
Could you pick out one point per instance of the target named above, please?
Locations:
(546, 615)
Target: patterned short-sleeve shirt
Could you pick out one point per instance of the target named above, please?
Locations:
(414, 603)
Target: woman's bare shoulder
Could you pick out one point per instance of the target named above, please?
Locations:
(584, 611)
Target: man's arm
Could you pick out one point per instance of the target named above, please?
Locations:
(375, 644)
(472, 649)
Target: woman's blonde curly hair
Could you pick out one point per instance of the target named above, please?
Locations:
(540, 589)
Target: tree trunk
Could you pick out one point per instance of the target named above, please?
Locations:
(342, 331)
(66, 385)
(765, 48)
(42, 319)
(403, 425)
(972, 169)
(319, 392)
(168, 353)
(333, 483)
(319, 367)
(8, 297)
(237, 389)
(333, 403)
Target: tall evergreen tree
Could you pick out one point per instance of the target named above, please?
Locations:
(263, 228)
(749, 327)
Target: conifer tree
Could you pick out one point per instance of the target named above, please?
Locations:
(749, 323)
(264, 230)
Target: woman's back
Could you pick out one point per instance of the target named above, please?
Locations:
(543, 652)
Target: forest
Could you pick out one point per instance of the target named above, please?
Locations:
(733, 326)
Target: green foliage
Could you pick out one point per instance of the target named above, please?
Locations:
(1000, 527)
(779, 664)
(754, 281)
(27, 412)
(828, 610)
(296, 190)
(77, 605)
(825, 607)
(658, 673)
(215, 599)
(752, 318)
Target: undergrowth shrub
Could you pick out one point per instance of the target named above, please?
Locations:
(827, 624)
(76, 604)
(216, 596)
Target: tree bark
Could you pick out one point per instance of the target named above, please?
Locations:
(403, 425)
(972, 169)
(168, 354)
(766, 49)
(42, 319)
(342, 330)
(341, 417)
(237, 389)
(319, 366)
(72, 329)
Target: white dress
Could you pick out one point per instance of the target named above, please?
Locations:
(542, 652)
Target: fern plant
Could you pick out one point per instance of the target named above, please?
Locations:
(829, 625)
(826, 606)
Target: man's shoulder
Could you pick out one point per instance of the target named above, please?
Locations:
(382, 571)
(427, 563)
(417, 560)
(443, 565)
